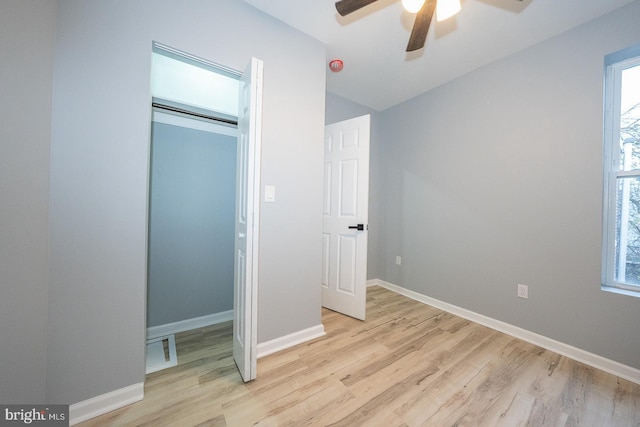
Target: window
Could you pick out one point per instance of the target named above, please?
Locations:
(621, 244)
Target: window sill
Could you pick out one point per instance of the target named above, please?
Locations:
(619, 291)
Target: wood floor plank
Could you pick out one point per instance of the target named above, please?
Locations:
(407, 365)
(454, 382)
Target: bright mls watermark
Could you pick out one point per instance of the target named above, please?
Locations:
(36, 415)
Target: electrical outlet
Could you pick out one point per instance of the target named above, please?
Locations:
(523, 291)
(398, 260)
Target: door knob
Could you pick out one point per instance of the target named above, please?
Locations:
(357, 227)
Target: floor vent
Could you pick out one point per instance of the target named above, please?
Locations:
(161, 353)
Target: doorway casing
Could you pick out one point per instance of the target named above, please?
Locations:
(247, 196)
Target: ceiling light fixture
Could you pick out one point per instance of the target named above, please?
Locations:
(446, 9)
(424, 10)
(412, 6)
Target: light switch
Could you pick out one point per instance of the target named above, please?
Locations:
(269, 193)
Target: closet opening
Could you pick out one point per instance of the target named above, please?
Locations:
(192, 196)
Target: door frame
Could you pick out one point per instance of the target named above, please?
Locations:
(254, 202)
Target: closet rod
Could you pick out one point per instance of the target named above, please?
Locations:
(193, 113)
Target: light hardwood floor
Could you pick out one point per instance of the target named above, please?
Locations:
(408, 364)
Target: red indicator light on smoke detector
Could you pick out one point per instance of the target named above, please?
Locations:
(336, 65)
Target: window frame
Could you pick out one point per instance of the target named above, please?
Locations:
(615, 64)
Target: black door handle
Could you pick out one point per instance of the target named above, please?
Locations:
(357, 227)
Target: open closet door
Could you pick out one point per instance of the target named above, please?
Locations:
(247, 220)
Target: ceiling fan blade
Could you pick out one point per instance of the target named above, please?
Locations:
(345, 7)
(421, 26)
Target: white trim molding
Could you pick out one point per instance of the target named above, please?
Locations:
(188, 324)
(99, 405)
(282, 343)
(607, 365)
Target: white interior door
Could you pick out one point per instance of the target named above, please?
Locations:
(245, 291)
(346, 214)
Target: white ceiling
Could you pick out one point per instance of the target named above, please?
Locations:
(379, 74)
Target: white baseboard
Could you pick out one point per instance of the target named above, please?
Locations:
(188, 324)
(615, 368)
(99, 405)
(290, 340)
(116, 399)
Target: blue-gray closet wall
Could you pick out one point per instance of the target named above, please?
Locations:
(191, 224)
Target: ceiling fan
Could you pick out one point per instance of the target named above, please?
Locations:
(423, 8)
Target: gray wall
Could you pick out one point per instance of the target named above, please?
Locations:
(99, 176)
(512, 196)
(495, 179)
(191, 223)
(26, 45)
(338, 109)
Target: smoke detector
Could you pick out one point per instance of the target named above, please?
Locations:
(336, 65)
